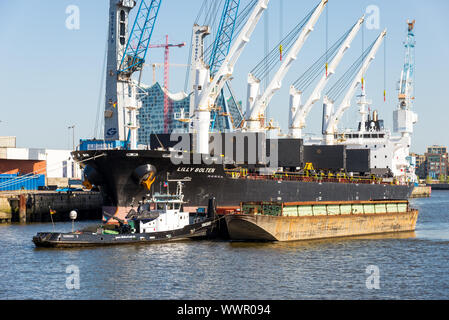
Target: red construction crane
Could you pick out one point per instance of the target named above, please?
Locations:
(167, 107)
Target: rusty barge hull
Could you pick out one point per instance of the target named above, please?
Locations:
(245, 227)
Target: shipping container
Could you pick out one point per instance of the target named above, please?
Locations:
(12, 182)
(326, 157)
(358, 160)
(86, 145)
(290, 151)
(244, 147)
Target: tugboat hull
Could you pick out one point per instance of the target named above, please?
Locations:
(206, 229)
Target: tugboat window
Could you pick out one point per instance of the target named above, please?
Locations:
(176, 206)
(160, 206)
(169, 206)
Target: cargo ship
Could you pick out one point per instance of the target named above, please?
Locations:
(127, 172)
(125, 177)
(279, 221)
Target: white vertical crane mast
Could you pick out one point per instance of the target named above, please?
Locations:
(332, 123)
(209, 90)
(299, 113)
(404, 117)
(116, 99)
(257, 106)
(126, 56)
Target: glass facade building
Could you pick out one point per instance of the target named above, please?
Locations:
(151, 116)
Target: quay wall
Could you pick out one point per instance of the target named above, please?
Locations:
(27, 207)
(439, 186)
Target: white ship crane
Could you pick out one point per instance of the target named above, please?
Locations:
(206, 90)
(298, 114)
(330, 128)
(258, 104)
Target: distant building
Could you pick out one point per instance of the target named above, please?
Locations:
(151, 115)
(436, 162)
(420, 167)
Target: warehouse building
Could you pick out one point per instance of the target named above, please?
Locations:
(31, 168)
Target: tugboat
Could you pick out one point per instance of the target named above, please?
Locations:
(159, 219)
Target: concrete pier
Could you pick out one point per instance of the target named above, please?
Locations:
(439, 186)
(34, 206)
(421, 192)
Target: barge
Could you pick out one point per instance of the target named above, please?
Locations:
(278, 221)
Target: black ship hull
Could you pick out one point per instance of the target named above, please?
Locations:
(114, 171)
(203, 230)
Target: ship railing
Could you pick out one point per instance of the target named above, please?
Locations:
(243, 174)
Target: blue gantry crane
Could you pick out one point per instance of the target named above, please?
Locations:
(220, 50)
(140, 36)
(225, 33)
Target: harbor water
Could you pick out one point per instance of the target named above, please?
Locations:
(400, 266)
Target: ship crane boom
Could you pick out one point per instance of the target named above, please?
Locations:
(406, 82)
(299, 117)
(212, 89)
(332, 123)
(262, 102)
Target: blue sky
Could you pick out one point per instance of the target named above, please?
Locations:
(51, 75)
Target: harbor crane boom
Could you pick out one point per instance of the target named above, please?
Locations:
(332, 123)
(299, 113)
(406, 83)
(210, 90)
(140, 36)
(404, 118)
(262, 102)
(225, 33)
(222, 45)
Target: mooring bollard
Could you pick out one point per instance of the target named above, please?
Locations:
(22, 209)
